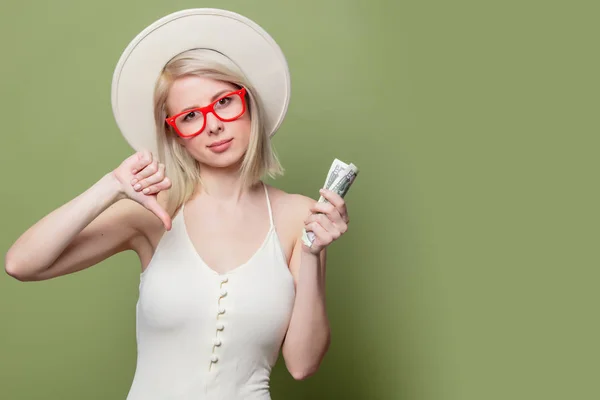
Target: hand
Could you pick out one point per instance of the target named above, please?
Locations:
(328, 221)
(141, 179)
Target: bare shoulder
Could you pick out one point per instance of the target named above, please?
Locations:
(290, 205)
(289, 212)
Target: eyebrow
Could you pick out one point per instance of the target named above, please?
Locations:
(213, 98)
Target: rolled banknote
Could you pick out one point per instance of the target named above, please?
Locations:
(339, 179)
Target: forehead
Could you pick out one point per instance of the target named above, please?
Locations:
(191, 91)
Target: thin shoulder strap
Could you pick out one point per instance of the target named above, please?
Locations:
(269, 205)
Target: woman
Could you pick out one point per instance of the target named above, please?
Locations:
(226, 280)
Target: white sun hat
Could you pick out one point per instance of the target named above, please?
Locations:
(233, 37)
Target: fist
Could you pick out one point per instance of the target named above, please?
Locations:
(141, 179)
(328, 221)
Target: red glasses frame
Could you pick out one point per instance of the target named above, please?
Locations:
(209, 109)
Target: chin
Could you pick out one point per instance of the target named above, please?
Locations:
(223, 160)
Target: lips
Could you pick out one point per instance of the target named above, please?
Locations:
(221, 146)
(220, 142)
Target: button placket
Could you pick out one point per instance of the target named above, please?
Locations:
(220, 326)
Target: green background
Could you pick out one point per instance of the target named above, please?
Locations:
(470, 270)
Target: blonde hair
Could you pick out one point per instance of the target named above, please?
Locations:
(181, 168)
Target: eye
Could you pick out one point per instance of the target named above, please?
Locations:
(190, 116)
(224, 101)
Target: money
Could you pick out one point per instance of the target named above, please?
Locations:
(339, 179)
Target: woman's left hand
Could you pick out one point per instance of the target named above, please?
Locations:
(327, 221)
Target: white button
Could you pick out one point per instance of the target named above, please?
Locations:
(224, 279)
(223, 293)
(217, 342)
(220, 326)
(214, 358)
(221, 310)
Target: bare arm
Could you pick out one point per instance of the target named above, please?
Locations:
(308, 336)
(93, 226)
(58, 244)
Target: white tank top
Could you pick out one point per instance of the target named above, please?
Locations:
(204, 335)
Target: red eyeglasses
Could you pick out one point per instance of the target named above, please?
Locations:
(228, 107)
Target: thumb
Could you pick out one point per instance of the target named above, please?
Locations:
(153, 205)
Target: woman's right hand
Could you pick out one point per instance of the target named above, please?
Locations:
(141, 179)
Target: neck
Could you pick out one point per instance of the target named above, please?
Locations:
(223, 184)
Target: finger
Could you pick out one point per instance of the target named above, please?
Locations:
(141, 159)
(152, 179)
(335, 199)
(160, 186)
(328, 222)
(320, 233)
(329, 225)
(148, 170)
(153, 205)
(329, 209)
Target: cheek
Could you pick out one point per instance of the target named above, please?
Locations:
(246, 131)
(191, 144)
(197, 145)
(244, 128)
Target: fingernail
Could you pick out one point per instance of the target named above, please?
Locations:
(136, 187)
(146, 190)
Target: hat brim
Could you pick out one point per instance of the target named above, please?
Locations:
(245, 43)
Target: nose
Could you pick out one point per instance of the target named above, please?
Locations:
(214, 125)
